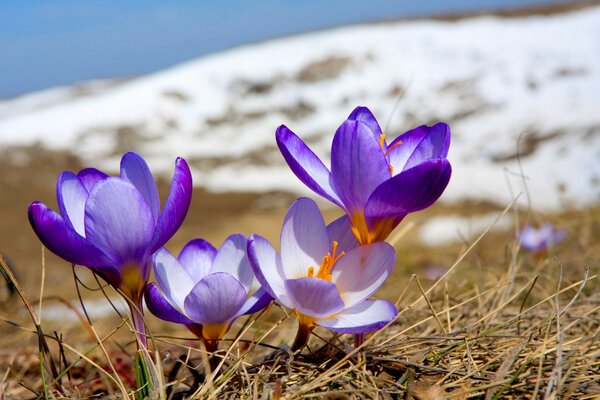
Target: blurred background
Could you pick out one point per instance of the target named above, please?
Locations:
(518, 81)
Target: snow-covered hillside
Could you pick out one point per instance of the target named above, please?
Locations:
(494, 80)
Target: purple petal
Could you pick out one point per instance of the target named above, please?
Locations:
(216, 299)
(172, 278)
(411, 190)
(364, 115)
(197, 258)
(528, 238)
(136, 171)
(358, 165)
(160, 307)
(419, 145)
(314, 297)
(63, 241)
(362, 271)
(259, 300)
(304, 240)
(558, 236)
(90, 176)
(176, 206)
(118, 221)
(232, 258)
(340, 231)
(367, 316)
(549, 236)
(305, 164)
(71, 196)
(267, 267)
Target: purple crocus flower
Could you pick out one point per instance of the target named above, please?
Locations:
(205, 289)
(375, 183)
(540, 240)
(322, 275)
(113, 225)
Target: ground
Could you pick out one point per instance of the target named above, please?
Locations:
(500, 324)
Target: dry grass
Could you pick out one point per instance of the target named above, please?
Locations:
(523, 328)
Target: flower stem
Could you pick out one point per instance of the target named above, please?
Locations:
(359, 339)
(302, 336)
(211, 347)
(137, 319)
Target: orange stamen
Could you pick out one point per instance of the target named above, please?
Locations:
(382, 143)
(398, 143)
(324, 271)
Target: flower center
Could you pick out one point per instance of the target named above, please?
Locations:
(387, 152)
(327, 264)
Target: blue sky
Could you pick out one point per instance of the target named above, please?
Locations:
(51, 43)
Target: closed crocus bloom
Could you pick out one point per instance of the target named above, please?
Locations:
(205, 289)
(322, 275)
(113, 225)
(376, 183)
(539, 241)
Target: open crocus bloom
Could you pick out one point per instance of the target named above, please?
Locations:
(375, 183)
(322, 276)
(205, 289)
(540, 240)
(113, 225)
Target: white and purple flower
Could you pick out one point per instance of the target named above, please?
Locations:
(113, 225)
(322, 275)
(375, 183)
(539, 241)
(205, 289)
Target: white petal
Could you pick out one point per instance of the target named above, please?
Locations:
(304, 240)
(360, 272)
(172, 278)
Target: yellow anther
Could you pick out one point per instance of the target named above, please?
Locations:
(398, 143)
(381, 140)
(324, 271)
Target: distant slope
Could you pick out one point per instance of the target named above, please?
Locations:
(495, 80)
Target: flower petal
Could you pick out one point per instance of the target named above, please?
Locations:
(419, 145)
(259, 300)
(305, 164)
(304, 240)
(90, 176)
(314, 297)
(197, 258)
(267, 267)
(358, 165)
(62, 240)
(217, 298)
(232, 258)
(411, 190)
(362, 271)
(340, 231)
(161, 308)
(71, 196)
(367, 316)
(364, 115)
(172, 278)
(135, 169)
(118, 221)
(176, 206)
